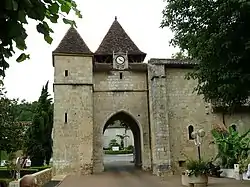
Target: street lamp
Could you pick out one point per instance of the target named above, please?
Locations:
(197, 136)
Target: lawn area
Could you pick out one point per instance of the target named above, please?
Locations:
(110, 152)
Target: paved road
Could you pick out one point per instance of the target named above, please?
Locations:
(118, 158)
(121, 173)
(135, 178)
(115, 163)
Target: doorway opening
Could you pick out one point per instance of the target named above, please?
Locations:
(121, 143)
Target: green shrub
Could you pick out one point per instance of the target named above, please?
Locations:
(4, 155)
(113, 143)
(243, 165)
(110, 152)
(232, 146)
(4, 173)
(196, 167)
(130, 147)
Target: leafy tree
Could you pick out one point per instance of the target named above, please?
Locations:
(122, 137)
(11, 132)
(39, 140)
(25, 111)
(13, 17)
(232, 146)
(217, 35)
(113, 143)
(180, 56)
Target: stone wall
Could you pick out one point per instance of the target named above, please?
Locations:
(41, 177)
(185, 108)
(79, 69)
(160, 101)
(160, 145)
(112, 95)
(73, 116)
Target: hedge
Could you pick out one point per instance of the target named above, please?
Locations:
(110, 152)
(6, 173)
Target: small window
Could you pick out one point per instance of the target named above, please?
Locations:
(121, 75)
(190, 130)
(65, 118)
(182, 163)
(66, 73)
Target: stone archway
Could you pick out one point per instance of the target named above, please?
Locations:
(135, 128)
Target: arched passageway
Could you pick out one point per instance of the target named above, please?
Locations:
(133, 125)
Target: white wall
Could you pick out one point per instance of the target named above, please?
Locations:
(110, 133)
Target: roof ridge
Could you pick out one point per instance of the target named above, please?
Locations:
(72, 43)
(117, 40)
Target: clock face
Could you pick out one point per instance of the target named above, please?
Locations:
(120, 59)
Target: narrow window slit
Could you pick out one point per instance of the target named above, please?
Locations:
(66, 73)
(121, 75)
(65, 118)
(190, 130)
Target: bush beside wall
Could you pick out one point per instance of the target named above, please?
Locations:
(110, 152)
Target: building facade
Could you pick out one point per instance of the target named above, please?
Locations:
(117, 131)
(92, 90)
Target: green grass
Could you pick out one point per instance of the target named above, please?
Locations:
(110, 152)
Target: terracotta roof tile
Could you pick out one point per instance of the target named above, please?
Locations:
(117, 40)
(72, 43)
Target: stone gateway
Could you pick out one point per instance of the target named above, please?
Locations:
(154, 99)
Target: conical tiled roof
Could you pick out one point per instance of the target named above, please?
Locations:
(117, 40)
(72, 43)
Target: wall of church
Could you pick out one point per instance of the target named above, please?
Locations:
(73, 116)
(111, 95)
(186, 108)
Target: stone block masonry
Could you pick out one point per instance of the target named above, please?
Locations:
(73, 117)
(159, 120)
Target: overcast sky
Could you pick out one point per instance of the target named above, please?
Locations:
(140, 19)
